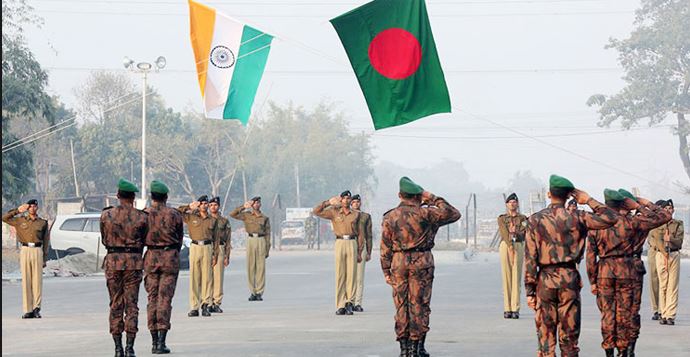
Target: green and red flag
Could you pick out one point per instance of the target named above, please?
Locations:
(392, 51)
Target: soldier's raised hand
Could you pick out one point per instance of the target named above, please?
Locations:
(426, 196)
(194, 205)
(580, 196)
(23, 208)
(630, 204)
(248, 204)
(334, 200)
(643, 201)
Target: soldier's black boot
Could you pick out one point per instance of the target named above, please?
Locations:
(421, 351)
(129, 348)
(414, 348)
(119, 351)
(631, 349)
(623, 352)
(162, 348)
(37, 313)
(609, 352)
(154, 342)
(404, 347)
(204, 310)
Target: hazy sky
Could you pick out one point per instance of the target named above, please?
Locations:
(528, 65)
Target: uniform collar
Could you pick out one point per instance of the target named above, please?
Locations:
(408, 202)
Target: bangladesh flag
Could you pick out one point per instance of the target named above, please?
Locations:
(391, 48)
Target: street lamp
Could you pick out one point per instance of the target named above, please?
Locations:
(144, 68)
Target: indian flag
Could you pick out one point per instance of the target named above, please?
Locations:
(230, 60)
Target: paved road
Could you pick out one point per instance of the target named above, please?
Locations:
(297, 317)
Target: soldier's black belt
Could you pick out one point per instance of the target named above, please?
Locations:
(125, 250)
(414, 250)
(637, 256)
(671, 250)
(617, 256)
(32, 245)
(256, 235)
(202, 242)
(346, 237)
(164, 247)
(570, 265)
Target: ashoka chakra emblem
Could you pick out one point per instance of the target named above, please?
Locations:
(222, 57)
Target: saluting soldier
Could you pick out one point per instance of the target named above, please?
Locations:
(32, 234)
(365, 219)
(223, 247)
(310, 230)
(652, 253)
(202, 230)
(349, 244)
(161, 263)
(667, 240)
(123, 232)
(512, 227)
(258, 228)
(407, 237)
(572, 206)
(555, 243)
(610, 269)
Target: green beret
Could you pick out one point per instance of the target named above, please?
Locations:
(627, 194)
(613, 195)
(126, 186)
(159, 187)
(408, 186)
(556, 181)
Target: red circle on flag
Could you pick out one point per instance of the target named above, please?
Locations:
(395, 53)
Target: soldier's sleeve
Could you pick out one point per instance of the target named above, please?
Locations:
(185, 211)
(654, 239)
(677, 237)
(216, 238)
(650, 217)
(238, 213)
(603, 217)
(442, 212)
(531, 258)
(268, 235)
(103, 230)
(10, 218)
(502, 229)
(386, 247)
(521, 229)
(322, 210)
(370, 235)
(591, 258)
(361, 234)
(179, 230)
(46, 241)
(228, 239)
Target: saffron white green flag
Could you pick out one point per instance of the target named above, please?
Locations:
(230, 60)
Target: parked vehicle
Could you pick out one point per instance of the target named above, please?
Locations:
(81, 232)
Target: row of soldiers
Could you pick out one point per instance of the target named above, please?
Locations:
(614, 233)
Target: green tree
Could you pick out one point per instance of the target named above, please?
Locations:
(656, 58)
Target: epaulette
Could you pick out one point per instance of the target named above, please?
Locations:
(389, 211)
(502, 215)
(142, 210)
(107, 208)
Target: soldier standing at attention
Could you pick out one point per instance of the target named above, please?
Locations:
(310, 230)
(652, 253)
(349, 244)
(610, 269)
(555, 243)
(123, 232)
(408, 235)
(222, 250)
(258, 229)
(202, 230)
(161, 263)
(32, 234)
(365, 219)
(572, 206)
(667, 240)
(512, 227)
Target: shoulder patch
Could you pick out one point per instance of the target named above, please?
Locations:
(389, 211)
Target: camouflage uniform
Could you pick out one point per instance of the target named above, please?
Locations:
(123, 230)
(310, 231)
(408, 235)
(555, 243)
(162, 263)
(610, 267)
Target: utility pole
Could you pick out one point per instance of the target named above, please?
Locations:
(299, 202)
(74, 168)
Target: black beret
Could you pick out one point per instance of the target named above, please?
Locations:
(665, 203)
(215, 200)
(511, 197)
(670, 202)
(32, 201)
(660, 203)
(256, 198)
(346, 193)
(203, 198)
(356, 197)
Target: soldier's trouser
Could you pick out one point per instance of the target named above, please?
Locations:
(413, 278)
(558, 311)
(256, 264)
(653, 280)
(160, 287)
(511, 268)
(123, 287)
(31, 266)
(218, 277)
(637, 298)
(200, 259)
(345, 271)
(614, 298)
(668, 283)
(359, 284)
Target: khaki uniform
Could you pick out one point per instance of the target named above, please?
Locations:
(201, 253)
(30, 232)
(349, 244)
(512, 253)
(361, 266)
(653, 278)
(223, 247)
(667, 241)
(258, 229)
